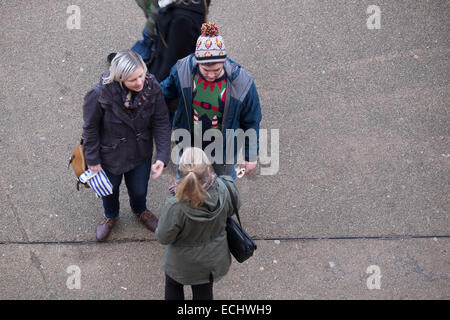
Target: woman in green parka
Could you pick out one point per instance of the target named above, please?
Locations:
(192, 228)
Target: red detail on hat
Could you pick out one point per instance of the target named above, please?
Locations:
(209, 29)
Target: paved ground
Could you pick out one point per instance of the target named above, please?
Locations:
(364, 152)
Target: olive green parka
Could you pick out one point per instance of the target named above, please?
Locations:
(195, 241)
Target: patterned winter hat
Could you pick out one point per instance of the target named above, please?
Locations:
(210, 45)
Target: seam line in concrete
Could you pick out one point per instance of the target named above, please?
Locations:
(92, 242)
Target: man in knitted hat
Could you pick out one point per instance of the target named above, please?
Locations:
(215, 92)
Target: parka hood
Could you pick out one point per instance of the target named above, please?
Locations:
(213, 205)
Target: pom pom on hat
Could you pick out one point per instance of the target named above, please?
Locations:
(210, 29)
(210, 46)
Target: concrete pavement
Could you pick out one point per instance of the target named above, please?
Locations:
(364, 155)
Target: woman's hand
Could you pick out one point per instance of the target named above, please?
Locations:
(157, 169)
(96, 168)
(249, 167)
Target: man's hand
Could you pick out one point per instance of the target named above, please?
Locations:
(249, 167)
(96, 168)
(157, 169)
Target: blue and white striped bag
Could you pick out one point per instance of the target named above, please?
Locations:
(98, 181)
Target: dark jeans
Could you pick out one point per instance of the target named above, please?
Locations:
(136, 181)
(174, 290)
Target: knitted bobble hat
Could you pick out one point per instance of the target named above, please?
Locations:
(210, 46)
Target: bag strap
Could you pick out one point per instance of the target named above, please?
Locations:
(206, 10)
(82, 154)
(233, 200)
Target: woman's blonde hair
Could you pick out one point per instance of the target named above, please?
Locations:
(123, 65)
(194, 167)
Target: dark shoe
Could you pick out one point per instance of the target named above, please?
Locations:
(110, 57)
(104, 228)
(149, 220)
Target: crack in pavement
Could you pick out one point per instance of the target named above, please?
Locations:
(36, 262)
(119, 241)
(14, 211)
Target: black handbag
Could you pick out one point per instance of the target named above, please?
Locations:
(240, 244)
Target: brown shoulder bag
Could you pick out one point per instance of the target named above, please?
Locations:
(78, 162)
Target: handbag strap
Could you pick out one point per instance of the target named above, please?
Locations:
(206, 10)
(233, 200)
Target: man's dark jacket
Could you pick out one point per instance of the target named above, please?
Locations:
(178, 27)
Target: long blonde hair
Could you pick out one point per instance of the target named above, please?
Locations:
(194, 167)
